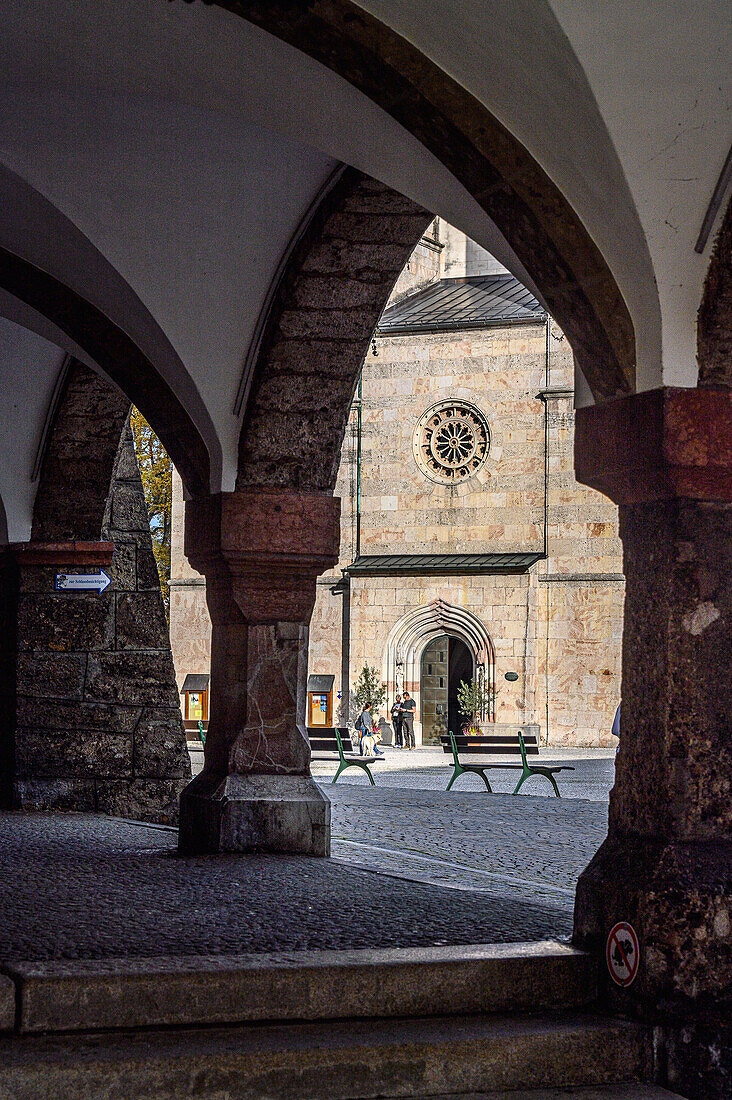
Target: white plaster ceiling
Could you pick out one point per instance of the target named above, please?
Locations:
(29, 367)
(177, 149)
(628, 107)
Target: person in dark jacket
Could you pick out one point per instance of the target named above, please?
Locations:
(408, 708)
(396, 721)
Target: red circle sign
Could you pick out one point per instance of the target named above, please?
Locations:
(622, 953)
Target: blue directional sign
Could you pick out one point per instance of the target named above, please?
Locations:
(82, 582)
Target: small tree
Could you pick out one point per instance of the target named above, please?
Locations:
(370, 690)
(474, 698)
(156, 471)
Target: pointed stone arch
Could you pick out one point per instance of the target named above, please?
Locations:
(528, 208)
(402, 656)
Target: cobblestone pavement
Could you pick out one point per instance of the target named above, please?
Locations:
(524, 847)
(413, 865)
(592, 778)
(86, 886)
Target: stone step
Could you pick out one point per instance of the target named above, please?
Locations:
(327, 1060)
(184, 991)
(632, 1090)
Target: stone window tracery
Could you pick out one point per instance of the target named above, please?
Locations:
(451, 442)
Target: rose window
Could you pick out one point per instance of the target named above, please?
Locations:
(451, 441)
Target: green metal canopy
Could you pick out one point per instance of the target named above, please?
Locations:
(404, 564)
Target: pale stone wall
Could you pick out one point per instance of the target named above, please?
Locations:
(569, 605)
(190, 624)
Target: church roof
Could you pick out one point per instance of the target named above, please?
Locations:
(473, 302)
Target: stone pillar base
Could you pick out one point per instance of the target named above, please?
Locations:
(254, 813)
(678, 897)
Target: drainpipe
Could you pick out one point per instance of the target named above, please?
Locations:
(547, 376)
(359, 401)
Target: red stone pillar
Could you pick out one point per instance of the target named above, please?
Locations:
(261, 551)
(665, 458)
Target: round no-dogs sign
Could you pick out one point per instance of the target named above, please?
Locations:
(622, 953)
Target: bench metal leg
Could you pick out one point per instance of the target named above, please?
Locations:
(553, 782)
(353, 764)
(524, 776)
(537, 771)
(341, 768)
(368, 773)
(484, 777)
(456, 772)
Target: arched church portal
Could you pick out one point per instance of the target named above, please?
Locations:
(446, 661)
(426, 636)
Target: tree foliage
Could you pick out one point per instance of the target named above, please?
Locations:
(156, 471)
(369, 691)
(474, 698)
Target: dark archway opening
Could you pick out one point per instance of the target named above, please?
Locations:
(446, 662)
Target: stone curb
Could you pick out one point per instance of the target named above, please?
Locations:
(130, 993)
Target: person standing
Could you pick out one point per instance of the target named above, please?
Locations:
(408, 708)
(396, 721)
(363, 727)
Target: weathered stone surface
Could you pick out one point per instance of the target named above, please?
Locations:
(66, 622)
(140, 620)
(666, 865)
(140, 799)
(7, 1003)
(55, 794)
(95, 662)
(128, 510)
(67, 714)
(124, 566)
(345, 240)
(714, 331)
(159, 745)
(337, 1058)
(94, 994)
(82, 452)
(254, 813)
(132, 678)
(51, 675)
(147, 570)
(65, 752)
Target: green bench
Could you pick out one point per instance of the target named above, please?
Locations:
(470, 744)
(335, 744)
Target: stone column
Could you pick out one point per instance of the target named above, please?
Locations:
(666, 867)
(261, 551)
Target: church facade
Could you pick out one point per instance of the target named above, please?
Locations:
(467, 547)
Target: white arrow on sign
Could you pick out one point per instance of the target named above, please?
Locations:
(82, 581)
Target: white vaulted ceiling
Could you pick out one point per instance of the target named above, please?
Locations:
(159, 156)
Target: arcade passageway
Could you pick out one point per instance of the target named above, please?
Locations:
(205, 207)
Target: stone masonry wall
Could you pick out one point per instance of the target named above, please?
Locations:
(569, 606)
(98, 714)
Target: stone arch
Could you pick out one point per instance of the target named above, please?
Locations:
(118, 356)
(530, 211)
(417, 628)
(79, 461)
(322, 317)
(96, 722)
(714, 331)
(55, 282)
